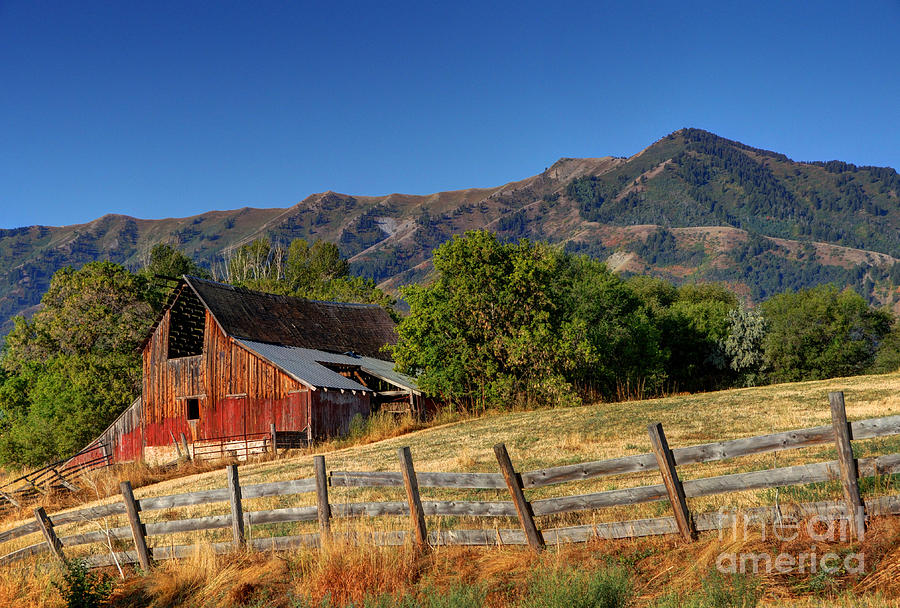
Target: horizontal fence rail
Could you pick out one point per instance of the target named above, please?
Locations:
(519, 507)
(57, 475)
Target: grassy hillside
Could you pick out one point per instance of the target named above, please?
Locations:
(538, 439)
(690, 206)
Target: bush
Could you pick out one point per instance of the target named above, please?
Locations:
(81, 588)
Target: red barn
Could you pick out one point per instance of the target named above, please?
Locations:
(224, 364)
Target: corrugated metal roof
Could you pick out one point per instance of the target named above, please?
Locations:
(298, 361)
(385, 371)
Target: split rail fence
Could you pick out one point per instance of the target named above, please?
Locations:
(62, 474)
(666, 460)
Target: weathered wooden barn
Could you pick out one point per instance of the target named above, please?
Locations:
(224, 364)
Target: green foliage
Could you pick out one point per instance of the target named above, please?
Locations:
(575, 588)
(693, 325)
(661, 249)
(617, 332)
(101, 308)
(57, 406)
(168, 261)
(317, 272)
(81, 588)
(74, 367)
(487, 330)
(888, 357)
(744, 344)
(516, 322)
(821, 333)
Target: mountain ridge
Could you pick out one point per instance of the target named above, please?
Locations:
(690, 206)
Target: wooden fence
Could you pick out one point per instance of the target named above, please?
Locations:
(60, 475)
(242, 447)
(662, 458)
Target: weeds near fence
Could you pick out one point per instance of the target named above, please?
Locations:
(81, 588)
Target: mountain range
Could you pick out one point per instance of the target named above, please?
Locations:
(691, 206)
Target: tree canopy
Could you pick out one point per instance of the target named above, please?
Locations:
(821, 333)
(71, 369)
(314, 271)
(521, 322)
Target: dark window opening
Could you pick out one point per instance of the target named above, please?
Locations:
(193, 409)
(186, 324)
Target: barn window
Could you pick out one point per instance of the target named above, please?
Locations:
(193, 409)
(186, 323)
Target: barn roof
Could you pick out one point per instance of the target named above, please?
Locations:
(306, 366)
(289, 321)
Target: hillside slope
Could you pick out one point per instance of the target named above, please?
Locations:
(690, 206)
(566, 436)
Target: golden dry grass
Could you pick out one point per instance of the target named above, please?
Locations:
(536, 439)
(349, 573)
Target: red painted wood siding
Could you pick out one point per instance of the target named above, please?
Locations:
(238, 392)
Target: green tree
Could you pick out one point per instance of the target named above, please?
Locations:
(697, 326)
(484, 332)
(168, 261)
(887, 359)
(71, 369)
(744, 344)
(521, 322)
(257, 264)
(308, 267)
(316, 272)
(692, 322)
(821, 333)
(611, 321)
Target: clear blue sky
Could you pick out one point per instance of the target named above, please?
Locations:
(159, 109)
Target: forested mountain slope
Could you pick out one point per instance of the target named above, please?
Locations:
(690, 206)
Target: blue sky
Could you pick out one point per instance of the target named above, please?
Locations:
(163, 109)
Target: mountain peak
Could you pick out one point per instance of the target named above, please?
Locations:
(690, 206)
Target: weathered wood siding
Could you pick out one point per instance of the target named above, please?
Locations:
(333, 410)
(238, 392)
(120, 442)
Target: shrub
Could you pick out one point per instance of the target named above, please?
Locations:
(81, 588)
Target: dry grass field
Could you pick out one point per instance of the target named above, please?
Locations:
(535, 439)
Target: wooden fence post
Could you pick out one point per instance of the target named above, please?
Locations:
(523, 508)
(177, 447)
(46, 527)
(237, 510)
(137, 528)
(272, 434)
(849, 475)
(674, 489)
(184, 444)
(8, 498)
(416, 512)
(324, 509)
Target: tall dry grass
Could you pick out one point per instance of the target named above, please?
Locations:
(100, 484)
(660, 572)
